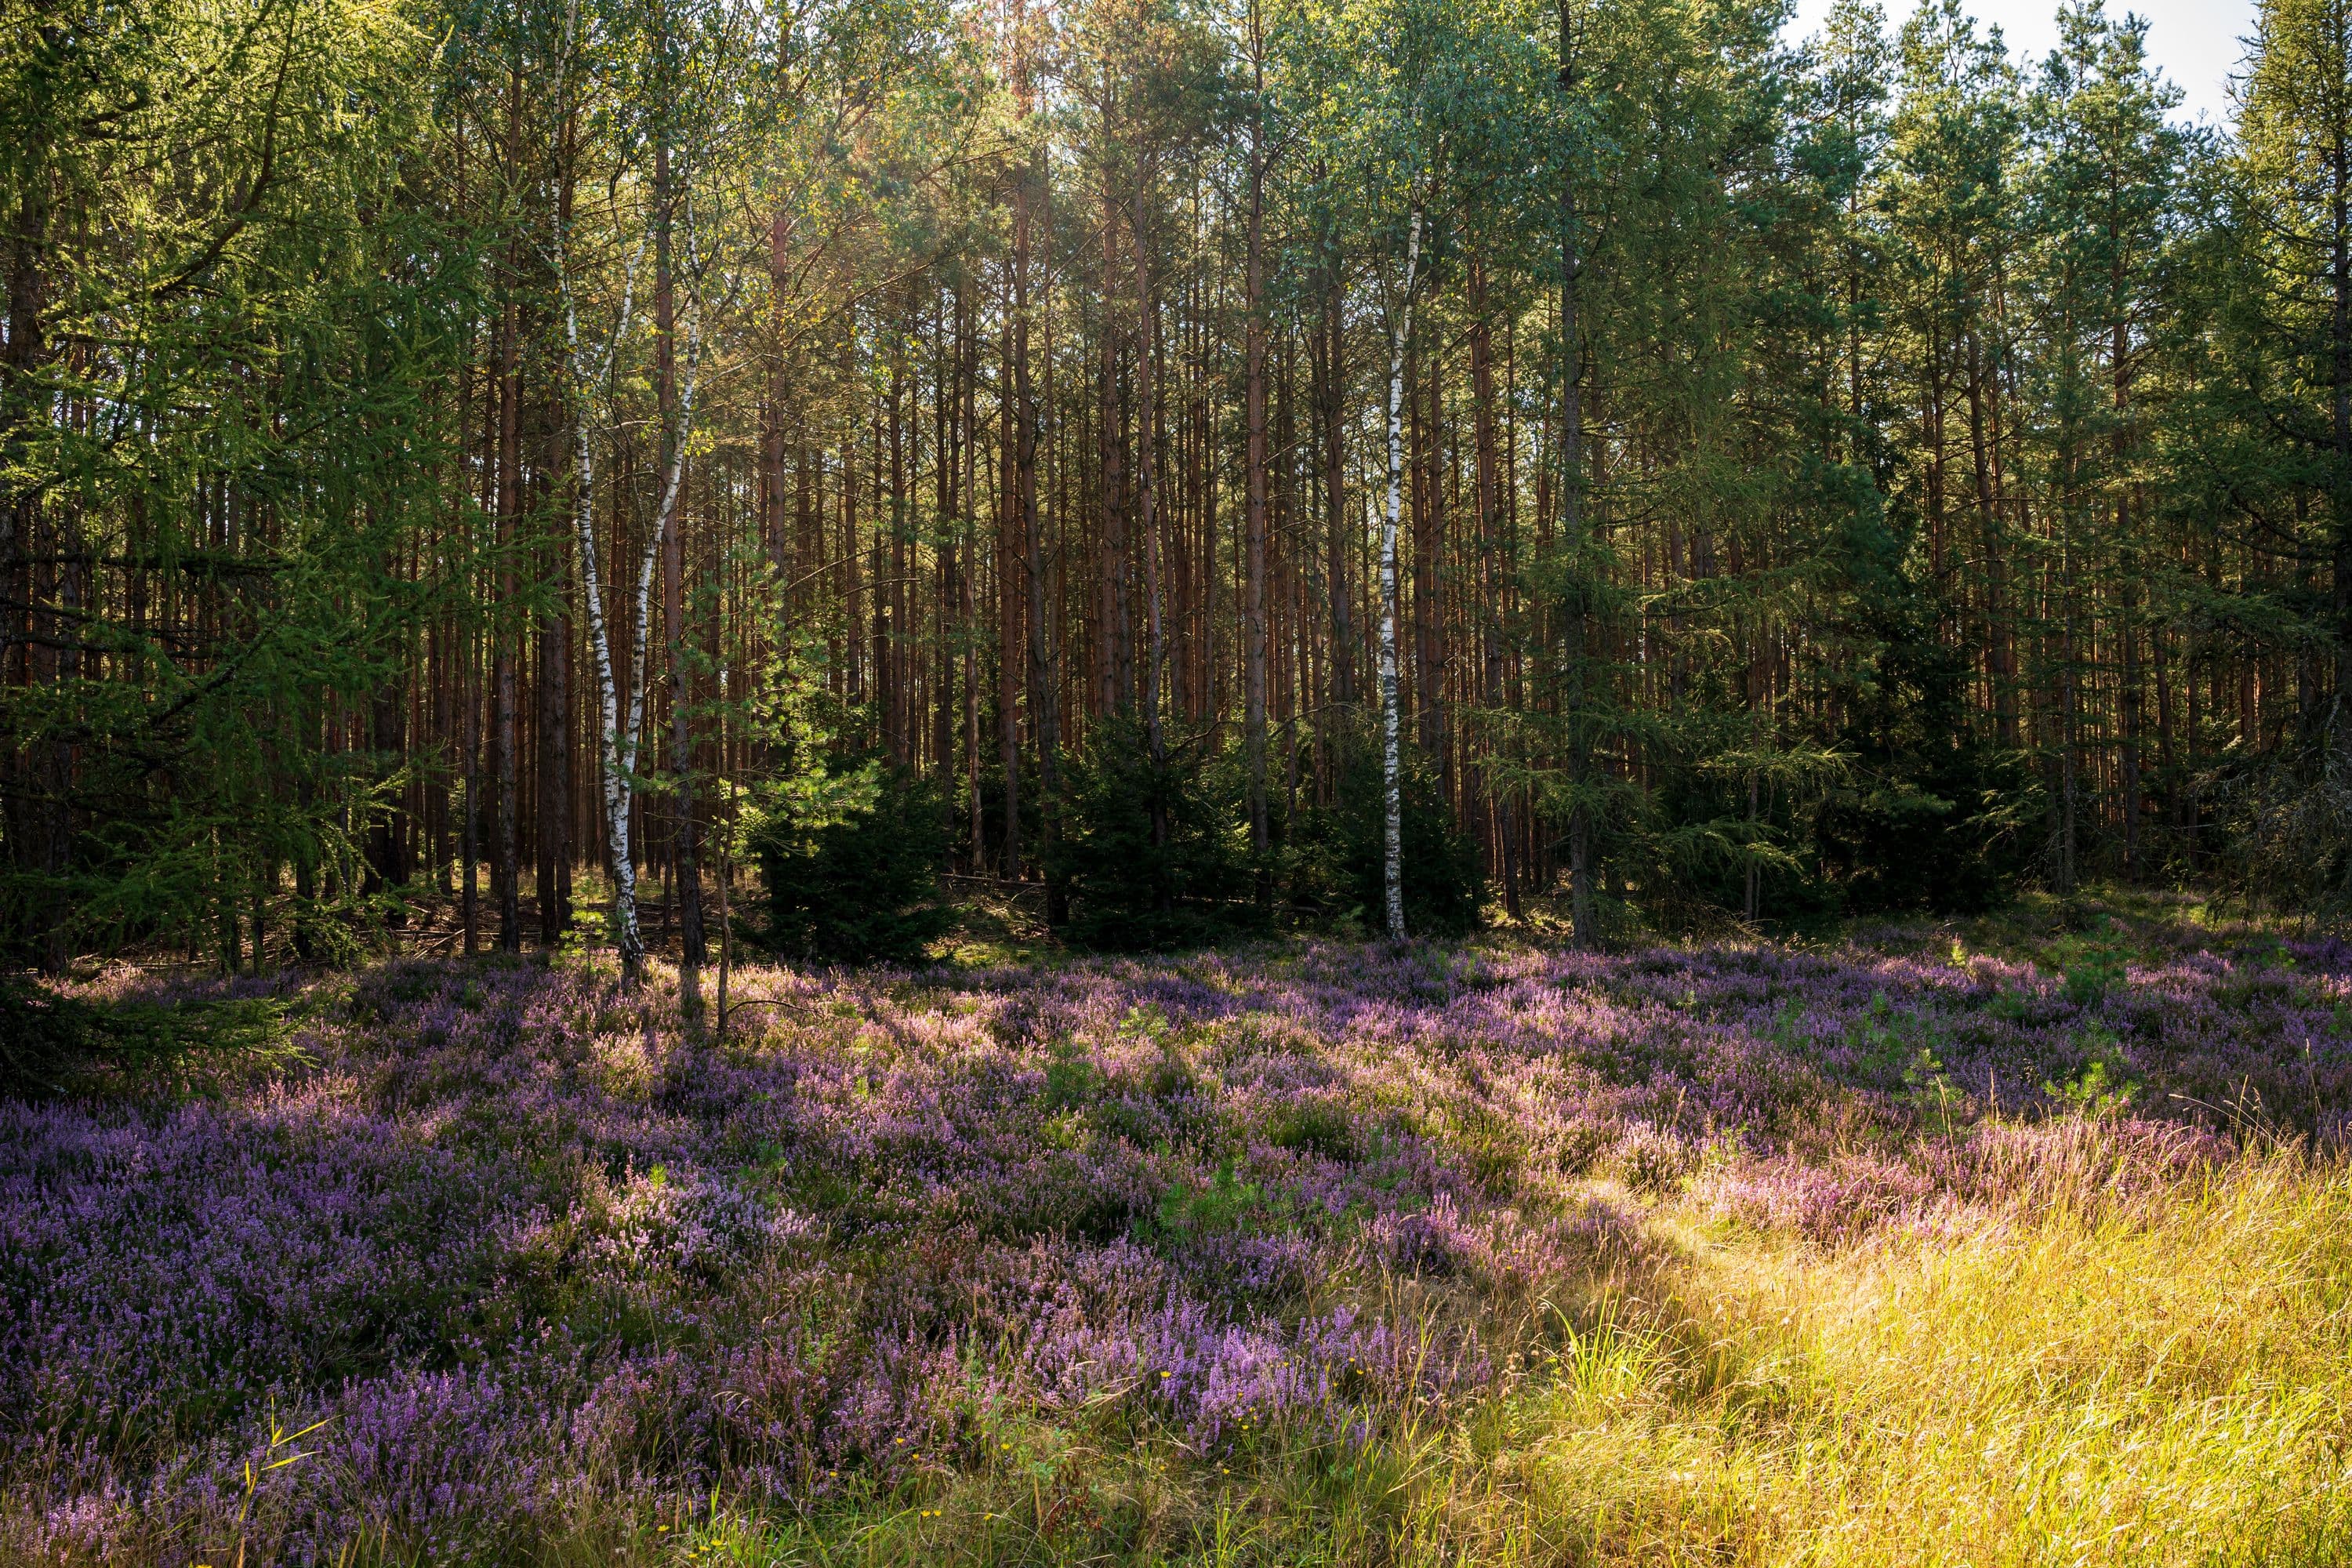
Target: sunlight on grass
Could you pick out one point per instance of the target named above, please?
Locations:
(2168, 1387)
(2161, 1384)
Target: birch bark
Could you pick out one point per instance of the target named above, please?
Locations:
(1392, 769)
(618, 740)
(600, 644)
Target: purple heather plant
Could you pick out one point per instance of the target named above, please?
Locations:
(511, 1242)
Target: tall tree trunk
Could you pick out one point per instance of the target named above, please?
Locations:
(507, 869)
(1009, 614)
(686, 851)
(1490, 569)
(1391, 770)
(469, 849)
(39, 835)
(1428, 551)
(1573, 695)
(1146, 466)
(617, 744)
(2129, 698)
(1255, 502)
(877, 634)
(387, 869)
(1330, 396)
(1113, 655)
(948, 456)
(778, 399)
(685, 870)
(555, 813)
(618, 733)
(2000, 653)
(2339, 365)
(2069, 713)
(852, 586)
(968, 336)
(894, 641)
(442, 720)
(1044, 696)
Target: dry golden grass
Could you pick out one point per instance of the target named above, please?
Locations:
(2167, 1382)
(2069, 1380)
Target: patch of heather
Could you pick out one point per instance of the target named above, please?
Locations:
(511, 1242)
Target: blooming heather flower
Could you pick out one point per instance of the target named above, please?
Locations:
(513, 1241)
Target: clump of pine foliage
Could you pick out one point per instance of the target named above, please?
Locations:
(54, 1044)
(861, 883)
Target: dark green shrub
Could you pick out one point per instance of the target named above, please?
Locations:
(1337, 859)
(863, 886)
(1138, 885)
(1701, 827)
(1899, 807)
(53, 1045)
(1931, 817)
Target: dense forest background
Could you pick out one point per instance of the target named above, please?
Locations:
(460, 460)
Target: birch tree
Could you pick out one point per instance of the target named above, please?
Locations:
(1391, 763)
(619, 736)
(619, 739)
(617, 755)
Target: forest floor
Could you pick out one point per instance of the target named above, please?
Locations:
(2016, 1241)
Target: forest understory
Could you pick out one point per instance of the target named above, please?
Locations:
(2023, 1239)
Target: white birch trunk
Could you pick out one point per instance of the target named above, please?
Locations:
(1392, 769)
(615, 778)
(618, 741)
(615, 769)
